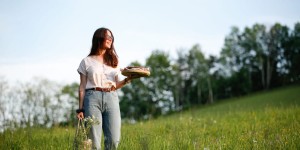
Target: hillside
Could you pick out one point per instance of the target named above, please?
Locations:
(265, 120)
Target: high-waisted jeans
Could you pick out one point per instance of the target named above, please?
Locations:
(105, 107)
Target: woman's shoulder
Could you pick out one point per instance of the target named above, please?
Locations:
(86, 59)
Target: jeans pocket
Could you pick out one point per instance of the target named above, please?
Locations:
(88, 92)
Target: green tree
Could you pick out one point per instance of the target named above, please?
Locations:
(278, 36)
(3, 102)
(292, 56)
(265, 59)
(181, 76)
(69, 92)
(253, 42)
(135, 101)
(234, 60)
(199, 81)
(160, 82)
(39, 104)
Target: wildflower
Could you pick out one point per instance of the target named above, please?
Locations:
(254, 141)
(81, 137)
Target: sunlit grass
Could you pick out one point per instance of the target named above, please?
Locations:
(38, 138)
(267, 120)
(272, 128)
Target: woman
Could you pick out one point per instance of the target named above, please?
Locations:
(97, 91)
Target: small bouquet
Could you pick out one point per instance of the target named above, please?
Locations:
(81, 141)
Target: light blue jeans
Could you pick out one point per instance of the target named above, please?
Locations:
(105, 107)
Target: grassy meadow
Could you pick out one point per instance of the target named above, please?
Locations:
(265, 120)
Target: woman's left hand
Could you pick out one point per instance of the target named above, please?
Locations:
(80, 115)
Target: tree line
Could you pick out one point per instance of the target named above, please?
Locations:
(253, 59)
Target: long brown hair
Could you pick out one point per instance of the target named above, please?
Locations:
(110, 55)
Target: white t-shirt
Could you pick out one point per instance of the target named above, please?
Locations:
(98, 74)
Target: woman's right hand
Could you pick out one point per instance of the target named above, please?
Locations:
(80, 115)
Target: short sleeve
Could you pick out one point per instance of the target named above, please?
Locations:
(82, 67)
(118, 74)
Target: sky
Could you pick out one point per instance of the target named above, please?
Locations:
(48, 39)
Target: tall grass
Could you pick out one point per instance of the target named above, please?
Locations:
(37, 138)
(266, 120)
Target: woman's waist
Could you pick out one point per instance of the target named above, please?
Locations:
(102, 89)
(105, 85)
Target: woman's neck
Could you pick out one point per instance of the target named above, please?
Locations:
(102, 52)
(99, 58)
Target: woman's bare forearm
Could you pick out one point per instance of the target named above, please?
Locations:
(122, 83)
(81, 90)
(81, 97)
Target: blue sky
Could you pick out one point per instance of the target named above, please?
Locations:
(49, 38)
